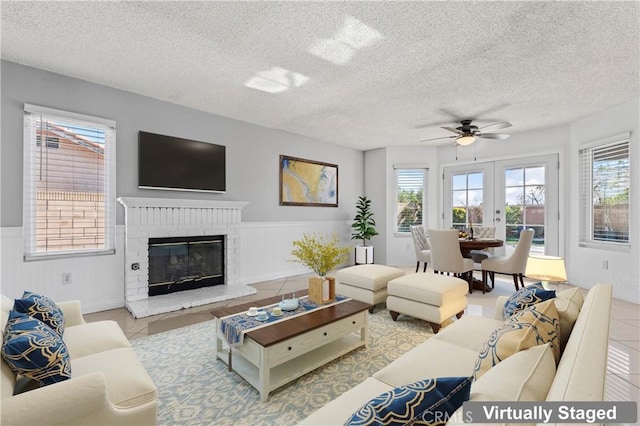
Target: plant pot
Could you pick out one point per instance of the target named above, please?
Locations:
(322, 289)
(364, 255)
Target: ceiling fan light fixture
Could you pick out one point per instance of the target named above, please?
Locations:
(465, 140)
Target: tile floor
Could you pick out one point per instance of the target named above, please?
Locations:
(623, 372)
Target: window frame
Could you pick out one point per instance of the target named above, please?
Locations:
(586, 218)
(425, 173)
(29, 213)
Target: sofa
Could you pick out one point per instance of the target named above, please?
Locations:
(528, 375)
(107, 386)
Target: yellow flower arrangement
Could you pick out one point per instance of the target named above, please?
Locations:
(320, 254)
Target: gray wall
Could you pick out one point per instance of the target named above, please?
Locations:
(376, 189)
(252, 151)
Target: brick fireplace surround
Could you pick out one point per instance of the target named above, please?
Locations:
(160, 217)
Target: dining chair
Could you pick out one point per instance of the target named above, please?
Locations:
(514, 265)
(446, 255)
(482, 232)
(421, 246)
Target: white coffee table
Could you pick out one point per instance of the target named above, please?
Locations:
(272, 356)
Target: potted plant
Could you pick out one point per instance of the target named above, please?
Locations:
(364, 228)
(321, 254)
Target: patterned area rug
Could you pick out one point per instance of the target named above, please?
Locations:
(196, 389)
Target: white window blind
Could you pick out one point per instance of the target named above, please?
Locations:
(604, 192)
(410, 189)
(69, 184)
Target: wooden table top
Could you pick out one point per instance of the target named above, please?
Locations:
(480, 243)
(282, 330)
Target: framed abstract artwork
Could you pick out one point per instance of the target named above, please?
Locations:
(308, 183)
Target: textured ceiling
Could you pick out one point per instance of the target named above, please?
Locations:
(395, 72)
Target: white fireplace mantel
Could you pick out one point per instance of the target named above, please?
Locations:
(177, 203)
(169, 217)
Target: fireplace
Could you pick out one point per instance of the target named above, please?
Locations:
(150, 218)
(185, 263)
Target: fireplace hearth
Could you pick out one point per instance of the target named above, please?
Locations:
(185, 263)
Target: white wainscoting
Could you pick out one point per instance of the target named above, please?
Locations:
(265, 247)
(98, 281)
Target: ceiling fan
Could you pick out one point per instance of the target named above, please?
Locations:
(467, 133)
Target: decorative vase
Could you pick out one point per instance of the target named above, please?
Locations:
(322, 289)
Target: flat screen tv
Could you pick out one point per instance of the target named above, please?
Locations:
(166, 162)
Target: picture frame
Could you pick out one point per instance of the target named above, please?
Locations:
(306, 182)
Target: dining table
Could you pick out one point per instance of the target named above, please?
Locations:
(468, 244)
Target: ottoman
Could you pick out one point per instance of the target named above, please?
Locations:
(366, 283)
(430, 297)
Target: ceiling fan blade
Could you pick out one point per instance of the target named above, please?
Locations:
(496, 126)
(451, 129)
(437, 139)
(492, 135)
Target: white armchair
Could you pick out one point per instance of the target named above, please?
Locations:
(446, 255)
(482, 232)
(514, 265)
(421, 246)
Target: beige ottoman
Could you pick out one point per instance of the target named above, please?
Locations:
(431, 297)
(367, 283)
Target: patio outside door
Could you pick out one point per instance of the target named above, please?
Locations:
(511, 195)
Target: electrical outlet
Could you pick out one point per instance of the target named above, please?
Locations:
(605, 264)
(66, 278)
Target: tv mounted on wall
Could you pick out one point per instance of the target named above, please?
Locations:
(166, 162)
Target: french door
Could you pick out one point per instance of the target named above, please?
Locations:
(511, 195)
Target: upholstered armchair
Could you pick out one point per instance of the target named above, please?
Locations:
(482, 232)
(421, 246)
(446, 255)
(514, 265)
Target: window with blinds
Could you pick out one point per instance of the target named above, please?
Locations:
(410, 192)
(604, 192)
(69, 184)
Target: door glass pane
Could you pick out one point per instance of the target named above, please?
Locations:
(513, 196)
(459, 182)
(535, 195)
(475, 180)
(534, 175)
(475, 197)
(525, 205)
(513, 177)
(459, 198)
(468, 199)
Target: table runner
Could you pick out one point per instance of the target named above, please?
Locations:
(233, 327)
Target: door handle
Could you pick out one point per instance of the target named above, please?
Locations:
(497, 219)
(498, 211)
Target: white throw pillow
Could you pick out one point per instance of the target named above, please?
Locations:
(524, 376)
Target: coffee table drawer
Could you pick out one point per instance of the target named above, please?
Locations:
(306, 342)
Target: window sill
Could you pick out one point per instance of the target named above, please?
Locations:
(623, 248)
(402, 234)
(29, 257)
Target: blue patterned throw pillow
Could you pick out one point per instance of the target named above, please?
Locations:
(535, 325)
(34, 350)
(41, 308)
(427, 402)
(525, 297)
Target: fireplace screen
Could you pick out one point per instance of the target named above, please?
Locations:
(185, 263)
